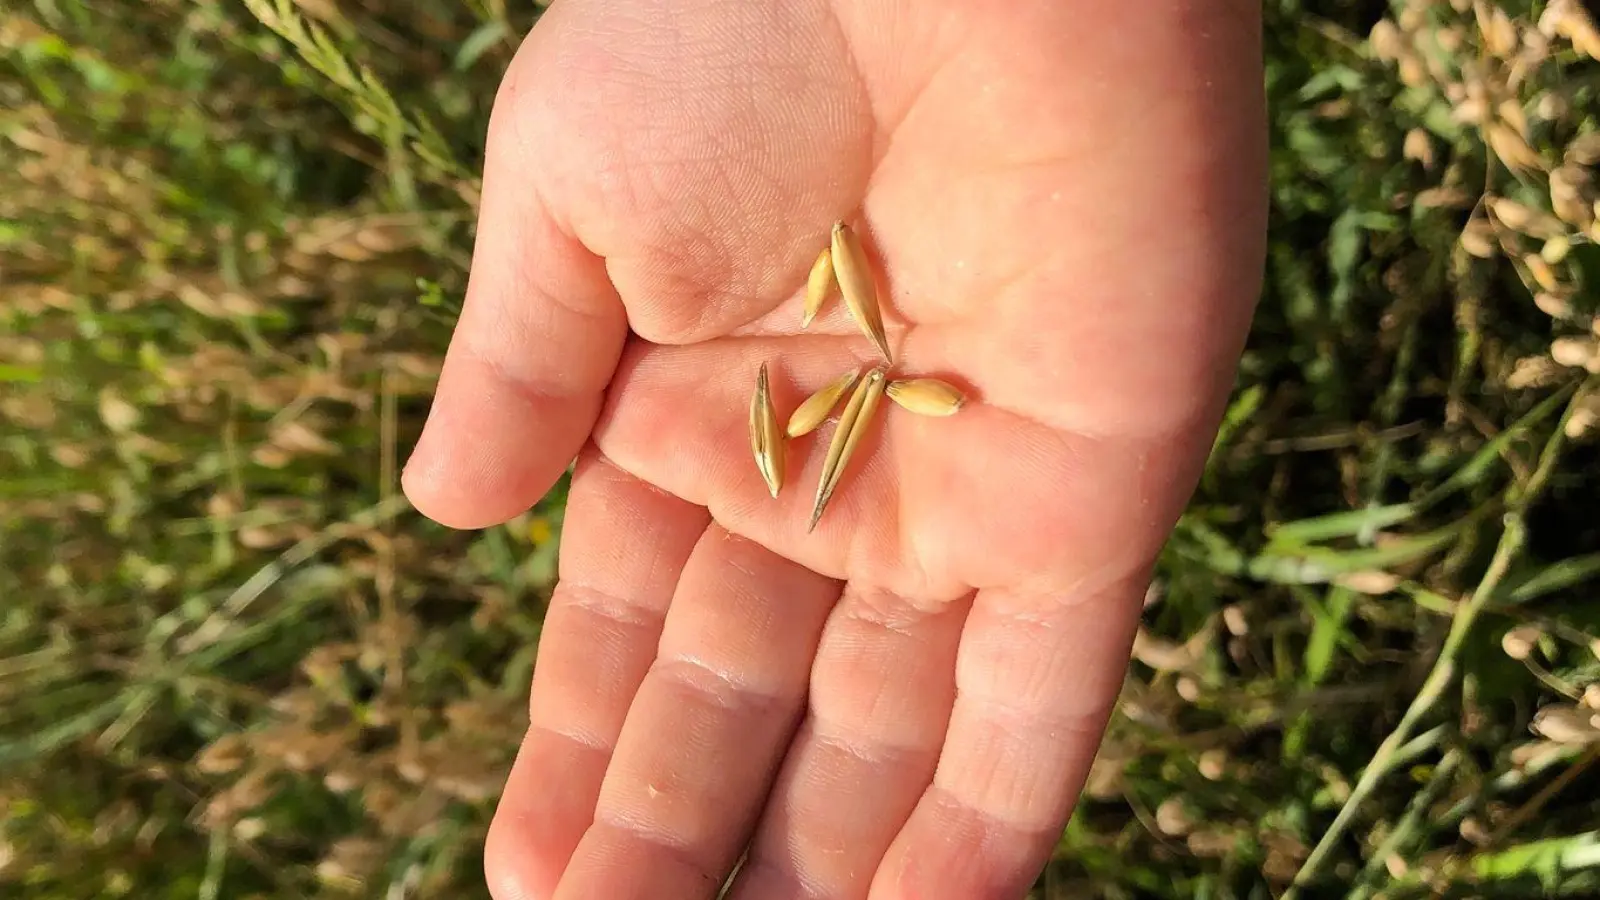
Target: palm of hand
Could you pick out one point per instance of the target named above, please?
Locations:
(1068, 229)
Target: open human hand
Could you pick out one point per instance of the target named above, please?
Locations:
(1066, 200)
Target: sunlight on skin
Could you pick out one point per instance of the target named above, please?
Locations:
(1066, 198)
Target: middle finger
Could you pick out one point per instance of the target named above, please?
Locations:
(705, 733)
(881, 693)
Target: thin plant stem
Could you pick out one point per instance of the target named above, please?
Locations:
(1443, 673)
(1408, 828)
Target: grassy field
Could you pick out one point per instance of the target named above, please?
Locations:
(233, 663)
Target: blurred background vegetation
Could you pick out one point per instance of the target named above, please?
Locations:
(233, 663)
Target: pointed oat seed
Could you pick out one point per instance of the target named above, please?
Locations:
(926, 396)
(818, 284)
(853, 423)
(857, 285)
(766, 441)
(813, 411)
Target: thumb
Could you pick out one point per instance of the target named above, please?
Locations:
(528, 365)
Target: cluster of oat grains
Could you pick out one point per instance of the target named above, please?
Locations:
(844, 263)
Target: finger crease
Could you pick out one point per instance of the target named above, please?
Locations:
(675, 849)
(877, 754)
(719, 689)
(994, 828)
(587, 741)
(777, 878)
(1030, 722)
(612, 607)
(532, 391)
(888, 610)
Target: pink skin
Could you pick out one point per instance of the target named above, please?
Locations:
(1067, 200)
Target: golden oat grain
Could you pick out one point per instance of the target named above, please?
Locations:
(926, 396)
(859, 288)
(766, 441)
(853, 423)
(814, 410)
(818, 283)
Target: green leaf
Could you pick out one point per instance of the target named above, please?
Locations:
(478, 43)
(1546, 860)
(1327, 628)
(1316, 565)
(1240, 409)
(1490, 454)
(15, 374)
(1559, 576)
(60, 734)
(1338, 525)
